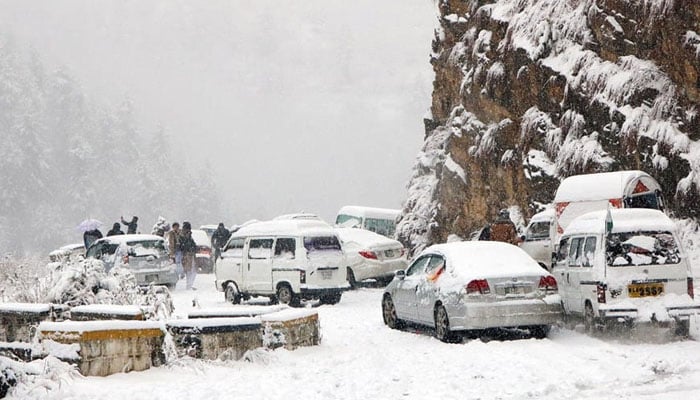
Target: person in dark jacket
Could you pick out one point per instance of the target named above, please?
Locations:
(503, 229)
(189, 249)
(131, 225)
(219, 239)
(116, 230)
(90, 236)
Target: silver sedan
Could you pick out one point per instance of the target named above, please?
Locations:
(471, 286)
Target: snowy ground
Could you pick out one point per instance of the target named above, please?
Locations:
(360, 358)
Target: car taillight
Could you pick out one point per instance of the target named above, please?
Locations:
(548, 284)
(302, 276)
(691, 289)
(478, 286)
(600, 292)
(369, 254)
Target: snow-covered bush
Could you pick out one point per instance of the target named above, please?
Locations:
(20, 279)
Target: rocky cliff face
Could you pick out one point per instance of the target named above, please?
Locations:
(528, 92)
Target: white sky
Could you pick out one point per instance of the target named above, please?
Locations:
(298, 105)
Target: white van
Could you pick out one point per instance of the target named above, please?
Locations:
(625, 266)
(286, 260)
(378, 220)
(580, 194)
(538, 238)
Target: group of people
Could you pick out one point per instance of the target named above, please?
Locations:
(89, 236)
(183, 249)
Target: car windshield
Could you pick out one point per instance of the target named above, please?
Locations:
(642, 248)
(348, 221)
(321, 243)
(145, 248)
(537, 231)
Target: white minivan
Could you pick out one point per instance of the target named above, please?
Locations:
(286, 260)
(627, 266)
(377, 220)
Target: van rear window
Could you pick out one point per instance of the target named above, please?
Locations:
(321, 243)
(642, 248)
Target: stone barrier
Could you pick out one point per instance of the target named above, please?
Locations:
(213, 338)
(101, 312)
(18, 321)
(109, 347)
(291, 328)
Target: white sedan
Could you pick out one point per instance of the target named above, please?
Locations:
(472, 286)
(370, 255)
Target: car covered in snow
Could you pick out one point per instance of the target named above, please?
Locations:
(203, 257)
(67, 252)
(371, 256)
(628, 266)
(145, 255)
(467, 287)
(379, 220)
(285, 260)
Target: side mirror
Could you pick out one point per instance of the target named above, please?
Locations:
(400, 274)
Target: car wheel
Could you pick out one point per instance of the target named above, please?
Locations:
(682, 328)
(539, 331)
(442, 325)
(351, 279)
(588, 318)
(285, 295)
(389, 313)
(232, 294)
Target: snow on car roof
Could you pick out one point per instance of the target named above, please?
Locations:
(605, 185)
(200, 237)
(363, 237)
(307, 216)
(372, 212)
(624, 220)
(484, 259)
(119, 239)
(546, 215)
(290, 227)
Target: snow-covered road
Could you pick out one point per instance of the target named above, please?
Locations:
(360, 358)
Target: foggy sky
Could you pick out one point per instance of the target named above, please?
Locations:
(296, 105)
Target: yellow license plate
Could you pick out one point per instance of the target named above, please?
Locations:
(645, 289)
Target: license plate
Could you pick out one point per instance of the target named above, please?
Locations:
(151, 278)
(514, 290)
(389, 253)
(326, 274)
(645, 289)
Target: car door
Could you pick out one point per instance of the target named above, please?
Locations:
(258, 268)
(573, 274)
(228, 267)
(427, 290)
(405, 293)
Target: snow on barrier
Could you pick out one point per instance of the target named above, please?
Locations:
(101, 312)
(18, 321)
(109, 347)
(236, 311)
(291, 328)
(213, 338)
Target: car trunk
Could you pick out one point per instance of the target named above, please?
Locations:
(515, 287)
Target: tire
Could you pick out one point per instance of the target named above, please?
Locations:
(682, 328)
(285, 295)
(389, 313)
(442, 325)
(231, 293)
(539, 331)
(589, 318)
(331, 298)
(351, 279)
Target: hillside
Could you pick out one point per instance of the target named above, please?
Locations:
(528, 92)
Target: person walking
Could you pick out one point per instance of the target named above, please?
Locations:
(90, 236)
(173, 238)
(503, 229)
(219, 239)
(160, 227)
(188, 248)
(116, 230)
(131, 225)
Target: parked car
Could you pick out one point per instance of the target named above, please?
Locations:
(471, 286)
(371, 256)
(209, 229)
(379, 220)
(286, 260)
(537, 241)
(625, 265)
(67, 252)
(145, 255)
(203, 257)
